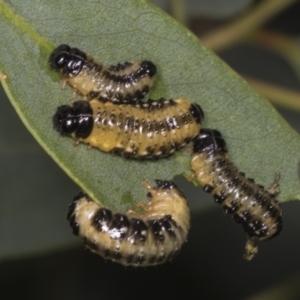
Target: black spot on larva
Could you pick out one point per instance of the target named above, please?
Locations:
(150, 151)
(117, 256)
(120, 67)
(208, 188)
(219, 198)
(102, 219)
(161, 258)
(119, 226)
(197, 112)
(121, 83)
(168, 226)
(74, 225)
(130, 259)
(165, 185)
(152, 260)
(139, 230)
(249, 203)
(107, 253)
(157, 230)
(229, 209)
(137, 239)
(238, 219)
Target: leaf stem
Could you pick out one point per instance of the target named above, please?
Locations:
(277, 95)
(228, 35)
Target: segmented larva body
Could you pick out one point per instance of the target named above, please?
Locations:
(149, 129)
(250, 204)
(122, 83)
(134, 239)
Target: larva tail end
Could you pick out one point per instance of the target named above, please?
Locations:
(251, 249)
(149, 68)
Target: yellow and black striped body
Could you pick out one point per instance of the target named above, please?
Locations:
(149, 129)
(134, 239)
(122, 83)
(250, 204)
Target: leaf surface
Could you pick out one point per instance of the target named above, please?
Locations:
(260, 142)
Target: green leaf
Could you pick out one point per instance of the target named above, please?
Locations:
(260, 142)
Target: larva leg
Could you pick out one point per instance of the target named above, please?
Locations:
(191, 177)
(64, 84)
(74, 93)
(189, 149)
(274, 189)
(142, 205)
(148, 187)
(251, 249)
(137, 213)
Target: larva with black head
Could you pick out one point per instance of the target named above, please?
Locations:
(147, 130)
(250, 204)
(122, 83)
(149, 238)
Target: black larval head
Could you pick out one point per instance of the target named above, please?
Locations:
(59, 56)
(69, 60)
(76, 119)
(64, 120)
(209, 140)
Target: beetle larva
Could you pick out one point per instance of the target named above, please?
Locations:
(149, 238)
(122, 83)
(149, 129)
(250, 204)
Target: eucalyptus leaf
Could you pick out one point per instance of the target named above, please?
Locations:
(260, 142)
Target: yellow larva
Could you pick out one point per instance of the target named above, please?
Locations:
(144, 239)
(149, 129)
(250, 204)
(122, 83)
